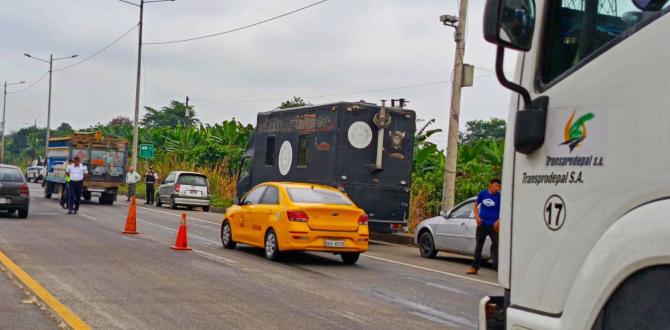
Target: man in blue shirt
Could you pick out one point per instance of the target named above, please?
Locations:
(487, 214)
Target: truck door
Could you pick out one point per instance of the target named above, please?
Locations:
(601, 65)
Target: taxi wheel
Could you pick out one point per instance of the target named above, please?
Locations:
(271, 245)
(350, 258)
(427, 246)
(227, 236)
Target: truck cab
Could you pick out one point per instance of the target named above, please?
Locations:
(586, 183)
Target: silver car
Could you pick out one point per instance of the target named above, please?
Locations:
(452, 231)
(184, 189)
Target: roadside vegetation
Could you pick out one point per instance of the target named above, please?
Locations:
(182, 142)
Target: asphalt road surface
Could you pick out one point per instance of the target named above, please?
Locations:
(115, 281)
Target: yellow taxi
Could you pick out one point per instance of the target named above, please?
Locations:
(281, 216)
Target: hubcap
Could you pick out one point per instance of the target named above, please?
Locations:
(226, 234)
(425, 245)
(270, 245)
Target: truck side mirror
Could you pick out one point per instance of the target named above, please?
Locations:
(510, 23)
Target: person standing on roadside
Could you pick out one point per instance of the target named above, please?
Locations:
(64, 202)
(77, 172)
(487, 214)
(150, 178)
(132, 178)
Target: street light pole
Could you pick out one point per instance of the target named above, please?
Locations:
(4, 124)
(51, 70)
(139, 74)
(459, 23)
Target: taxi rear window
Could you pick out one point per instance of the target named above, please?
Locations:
(317, 196)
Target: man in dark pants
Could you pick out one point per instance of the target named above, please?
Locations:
(150, 178)
(487, 214)
(77, 173)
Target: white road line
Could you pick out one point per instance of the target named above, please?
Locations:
(87, 216)
(214, 256)
(430, 270)
(168, 213)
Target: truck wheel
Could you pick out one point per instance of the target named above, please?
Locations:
(350, 258)
(205, 208)
(23, 213)
(87, 196)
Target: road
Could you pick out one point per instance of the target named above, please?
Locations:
(115, 281)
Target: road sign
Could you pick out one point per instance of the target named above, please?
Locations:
(146, 151)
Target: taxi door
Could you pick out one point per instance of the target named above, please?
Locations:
(266, 213)
(242, 226)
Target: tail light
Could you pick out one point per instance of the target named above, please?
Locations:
(24, 190)
(363, 220)
(297, 216)
(177, 187)
(208, 190)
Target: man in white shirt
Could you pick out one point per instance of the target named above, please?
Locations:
(77, 173)
(132, 178)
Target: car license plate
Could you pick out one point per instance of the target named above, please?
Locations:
(333, 243)
(4, 201)
(194, 192)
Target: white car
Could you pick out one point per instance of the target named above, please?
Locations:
(452, 231)
(36, 171)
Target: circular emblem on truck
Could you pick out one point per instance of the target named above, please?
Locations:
(285, 158)
(360, 135)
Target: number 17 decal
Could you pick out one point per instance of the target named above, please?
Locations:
(554, 212)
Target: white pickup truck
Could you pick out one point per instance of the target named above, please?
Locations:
(36, 171)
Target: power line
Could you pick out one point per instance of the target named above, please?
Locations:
(22, 106)
(238, 28)
(31, 85)
(98, 51)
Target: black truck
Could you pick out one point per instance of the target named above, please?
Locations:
(361, 148)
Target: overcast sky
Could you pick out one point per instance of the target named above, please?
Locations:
(338, 47)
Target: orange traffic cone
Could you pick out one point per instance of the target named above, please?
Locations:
(182, 237)
(131, 221)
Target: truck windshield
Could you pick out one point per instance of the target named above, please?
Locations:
(577, 29)
(317, 196)
(193, 180)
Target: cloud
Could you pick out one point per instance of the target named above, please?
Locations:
(338, 46)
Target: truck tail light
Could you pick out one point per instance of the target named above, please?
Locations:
(363, 220)
(24, 190)
(297, 216)
(177, 187)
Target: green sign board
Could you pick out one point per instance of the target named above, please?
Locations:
(146, 151)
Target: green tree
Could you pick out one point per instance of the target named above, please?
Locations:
(295, 102)
(64, 129)
(476, 130)
(173, 115)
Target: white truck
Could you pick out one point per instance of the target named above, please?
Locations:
(585, 219)
(35, 172)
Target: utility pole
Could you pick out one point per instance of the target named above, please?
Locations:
(4, 123)
(459, 23)
(187, 113)
(51, 67)
(139, 74)
(137, 87)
